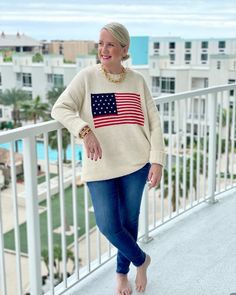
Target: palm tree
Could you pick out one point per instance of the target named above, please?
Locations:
(53, 94)
(14, 97)
(45, 257)
(35, 109)
(181, 173)
(57, 254)
(173, 185)
(65, 142)
(57, 260)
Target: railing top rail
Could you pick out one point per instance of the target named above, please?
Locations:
(192, 93)
(30, 130)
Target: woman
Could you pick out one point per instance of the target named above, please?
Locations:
(111, 109)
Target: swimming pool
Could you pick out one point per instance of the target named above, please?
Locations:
(51, 153)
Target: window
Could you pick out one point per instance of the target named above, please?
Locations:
(231, 92)
(189, 129)
(60, 49)
(1, 113)
(0, 79)
(187, 57)
(156, 84)
(204, 57)
(27, 81)
(167, 85)
(172, 57)
(58, 80)
(221, 44)
(27, 49)
(172, 45)
(205, 44)
(188, 45)
(49, 78)
(166, 108)
(18, 77)
(206, 82)
(156, 45)
(166, 127)
(198, 108)
(156, 81)
(218, 65)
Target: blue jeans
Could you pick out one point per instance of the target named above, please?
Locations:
(116, 205)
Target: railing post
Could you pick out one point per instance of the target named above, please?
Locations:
(32, 214)
(143, 218)
(212, 148)
(2, 258)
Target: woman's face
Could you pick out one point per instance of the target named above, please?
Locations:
(110, 51)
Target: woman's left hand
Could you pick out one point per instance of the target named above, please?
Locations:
(154, 175)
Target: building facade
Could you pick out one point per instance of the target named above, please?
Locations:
(69, 49)
(18, 43)
(174, 65)
(38, 78)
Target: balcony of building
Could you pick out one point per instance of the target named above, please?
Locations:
(193, 254)
(189, 235)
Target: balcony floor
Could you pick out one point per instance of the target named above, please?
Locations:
(194, 254)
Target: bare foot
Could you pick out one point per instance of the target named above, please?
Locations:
(123, 285)
(141, 276)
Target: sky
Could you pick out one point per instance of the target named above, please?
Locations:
(77, 19)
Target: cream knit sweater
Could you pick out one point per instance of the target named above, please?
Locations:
(123, 117)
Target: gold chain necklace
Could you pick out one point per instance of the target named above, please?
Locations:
(109, 78)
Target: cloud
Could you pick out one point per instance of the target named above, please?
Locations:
(210, 14)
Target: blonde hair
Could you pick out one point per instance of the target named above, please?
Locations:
(120, 33)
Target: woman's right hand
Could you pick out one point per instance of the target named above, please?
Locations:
(92, 146)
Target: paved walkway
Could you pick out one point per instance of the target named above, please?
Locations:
(195, 254)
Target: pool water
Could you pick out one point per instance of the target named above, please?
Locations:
(51, 153)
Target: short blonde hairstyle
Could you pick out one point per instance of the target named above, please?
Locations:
(120, 33)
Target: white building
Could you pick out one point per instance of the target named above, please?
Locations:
(39, 78)
(18, 43)
(178, 65)
(190, 51)
(175, 65)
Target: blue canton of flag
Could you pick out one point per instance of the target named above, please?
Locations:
(103, 104)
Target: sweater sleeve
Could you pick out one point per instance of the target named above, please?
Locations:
(157, 153)
(67, 108)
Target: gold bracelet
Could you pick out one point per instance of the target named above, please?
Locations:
(84, 131)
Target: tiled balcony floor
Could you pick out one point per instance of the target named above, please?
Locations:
(195, 254)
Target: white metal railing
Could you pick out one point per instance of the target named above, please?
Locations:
(200, 164)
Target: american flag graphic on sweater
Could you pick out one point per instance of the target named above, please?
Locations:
(116, 108)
